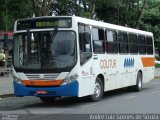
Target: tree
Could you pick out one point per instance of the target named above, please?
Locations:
(66, 7)
(16, 9)
(40, 7)
(151, 20)
(2, 15)
(83, 8)
(140, 14)
(121, 12)
(89, 7)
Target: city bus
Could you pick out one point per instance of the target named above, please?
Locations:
(73, 56)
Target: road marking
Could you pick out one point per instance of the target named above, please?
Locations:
(130, 97)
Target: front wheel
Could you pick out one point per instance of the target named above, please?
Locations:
(98, 91)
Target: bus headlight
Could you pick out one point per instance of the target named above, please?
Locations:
(18, 80)
(70, 79)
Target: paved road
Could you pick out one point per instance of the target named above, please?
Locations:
(118, 101)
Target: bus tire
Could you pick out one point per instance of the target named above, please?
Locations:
(139, 82)
(98, 91)
(47, 99)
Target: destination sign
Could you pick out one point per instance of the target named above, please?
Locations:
(42, 23)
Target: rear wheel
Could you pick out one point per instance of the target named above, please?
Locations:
(47, 99)
(98, 91)
(138, 86)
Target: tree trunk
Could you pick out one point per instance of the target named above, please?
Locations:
(41, 9)
(140, 14)
(93, 7)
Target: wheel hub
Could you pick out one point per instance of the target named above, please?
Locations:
(97, 90)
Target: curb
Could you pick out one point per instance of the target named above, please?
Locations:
(6, 95)
(157, 77)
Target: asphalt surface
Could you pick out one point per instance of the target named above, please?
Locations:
(114, 102)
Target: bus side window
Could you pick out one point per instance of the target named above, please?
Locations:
(123, 42)
(149, 45)
(98, 40)
(132, 41)
(84, 43)
(111, 44)
(141, 44)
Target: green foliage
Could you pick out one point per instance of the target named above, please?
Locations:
(66, 7)
(141, 14)
(151, 19)
(16, 9)
(157, 65)
(157, 58)
(122, 12)
(2, 14)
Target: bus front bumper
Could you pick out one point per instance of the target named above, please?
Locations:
(70, 89)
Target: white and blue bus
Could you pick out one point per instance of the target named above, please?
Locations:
(74, 56)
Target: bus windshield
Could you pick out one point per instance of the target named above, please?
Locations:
(45, 50)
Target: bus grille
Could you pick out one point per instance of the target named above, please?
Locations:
(42, 76)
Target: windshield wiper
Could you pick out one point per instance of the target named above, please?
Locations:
(44, 58)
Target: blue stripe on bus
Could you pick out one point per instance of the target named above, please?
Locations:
(65, 90)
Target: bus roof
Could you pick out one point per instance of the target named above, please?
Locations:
(110, 26)
(98, 24)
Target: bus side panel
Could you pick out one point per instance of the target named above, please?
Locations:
(86, 79)
(148, 63)
(148, 74)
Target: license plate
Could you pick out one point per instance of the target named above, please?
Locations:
(41, 92)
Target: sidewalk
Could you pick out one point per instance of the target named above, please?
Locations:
(157, 73)
(6, 83)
